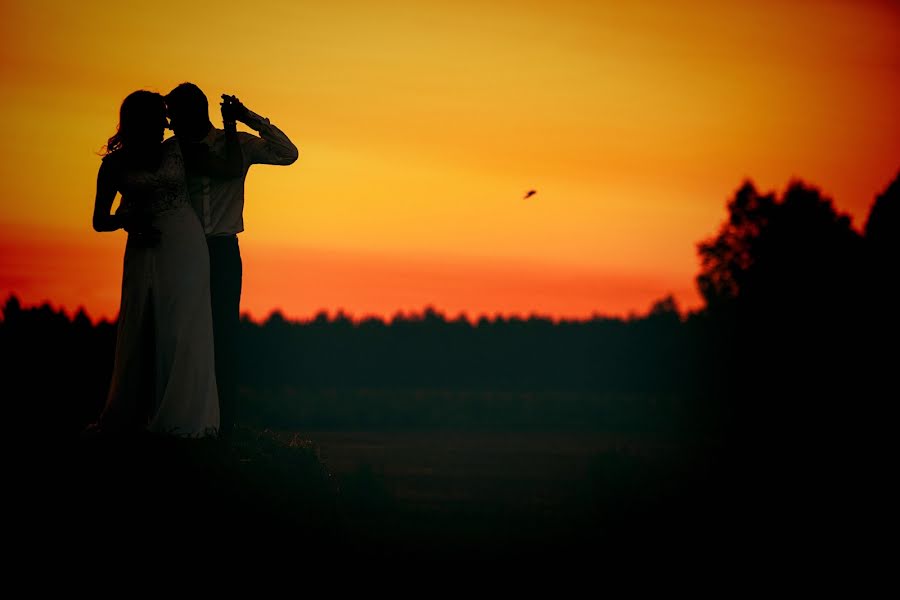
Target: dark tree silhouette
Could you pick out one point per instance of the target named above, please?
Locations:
(882, 321)
(791, 310)
(882, 233)
(796, 253)
(786, 291)
(785, 278)
(883, 223)
(727, 258)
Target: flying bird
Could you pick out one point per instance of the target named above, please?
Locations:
(529, 194)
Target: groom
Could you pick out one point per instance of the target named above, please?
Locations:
(219, 202)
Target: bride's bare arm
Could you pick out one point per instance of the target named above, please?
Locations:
(133, 223)
(106, 193)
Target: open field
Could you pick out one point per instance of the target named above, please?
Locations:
(444, 470)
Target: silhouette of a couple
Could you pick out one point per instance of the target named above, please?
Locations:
(182, 205)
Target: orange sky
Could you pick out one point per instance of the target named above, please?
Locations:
(422, 124)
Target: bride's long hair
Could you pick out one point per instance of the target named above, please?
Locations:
(142, 123)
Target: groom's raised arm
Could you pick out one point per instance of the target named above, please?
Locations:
(272, 147)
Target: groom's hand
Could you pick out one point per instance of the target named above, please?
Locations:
(140, 230)
(233, 110)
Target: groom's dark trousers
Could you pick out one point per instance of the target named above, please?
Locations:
(225, 274)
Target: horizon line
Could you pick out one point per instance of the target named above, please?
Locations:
(336, 314)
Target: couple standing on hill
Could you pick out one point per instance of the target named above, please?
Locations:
(182, 206)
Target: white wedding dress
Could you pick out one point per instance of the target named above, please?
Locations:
(164, 373)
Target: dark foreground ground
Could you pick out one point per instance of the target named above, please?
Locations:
(375, 495)
(455, 471)
(430, 496)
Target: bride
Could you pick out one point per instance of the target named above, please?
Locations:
(163, 377)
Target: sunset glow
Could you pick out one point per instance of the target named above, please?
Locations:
(422, 125)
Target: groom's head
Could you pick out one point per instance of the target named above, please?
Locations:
(188, 111)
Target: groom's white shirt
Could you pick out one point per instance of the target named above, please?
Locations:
(220, 202)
